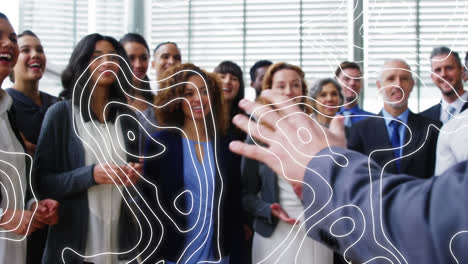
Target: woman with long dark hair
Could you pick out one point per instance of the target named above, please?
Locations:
(139, 54)
(195, 183)
(233, 91)
(87, 157)
(30, 103)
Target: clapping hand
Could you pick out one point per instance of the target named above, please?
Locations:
(46, 213)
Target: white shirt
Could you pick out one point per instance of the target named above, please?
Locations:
(457, 105)
(452, 145)
(101, 145)
(13, 181)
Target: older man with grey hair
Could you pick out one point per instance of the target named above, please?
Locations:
(447, 74)
(396, 137)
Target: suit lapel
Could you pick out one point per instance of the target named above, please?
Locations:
(382, 142)
(381, 129)
(413, 135)
(465, 106)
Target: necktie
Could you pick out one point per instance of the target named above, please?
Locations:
(395, 139)
(347, 114)
(451, 111)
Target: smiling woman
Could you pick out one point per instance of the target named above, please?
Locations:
(272, 201)
(79, 161)
(30, 103)
(201, 195)
(327, 98)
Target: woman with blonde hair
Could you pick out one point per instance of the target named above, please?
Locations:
(194, 187)
(279, 236)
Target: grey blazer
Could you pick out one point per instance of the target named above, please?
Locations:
(259, 191)
(60, 174)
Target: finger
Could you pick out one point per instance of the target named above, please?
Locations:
(259, 112)
(42, 209)
(285, 104)
(252, 152)
(253, 129)
(133, 179)
(292, 221)
(119, 175)
(138, 167)
(37, 224)
(53, 206)
(275, 206)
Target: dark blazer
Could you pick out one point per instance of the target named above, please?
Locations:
(166, 172)
(371, 134)
(433, 112)
(419, 216)
(259, 191)
(61, 175)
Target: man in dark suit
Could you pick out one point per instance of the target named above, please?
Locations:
(447, 74)
(389, 219)
(397, 136)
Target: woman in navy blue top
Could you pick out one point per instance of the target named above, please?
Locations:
(193, 178)
(30, 103)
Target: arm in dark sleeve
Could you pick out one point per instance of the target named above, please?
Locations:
(431, 143)
(354, 140)
(51, 155)
(400, 217)
(251, 185)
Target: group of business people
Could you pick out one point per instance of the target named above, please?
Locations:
(89, 160)
(123, 176)
(126, 176)
(382, 204)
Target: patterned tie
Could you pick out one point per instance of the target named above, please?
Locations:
(347, 114)
(395, 138)
(451, 111)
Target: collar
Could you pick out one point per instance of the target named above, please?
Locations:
(355, 109)
(5, 102)
(403, 117)
(457, 104)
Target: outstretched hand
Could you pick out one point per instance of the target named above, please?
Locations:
(290, 138)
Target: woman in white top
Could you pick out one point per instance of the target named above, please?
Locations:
(15, 221)
(87, 158)
(280, 236)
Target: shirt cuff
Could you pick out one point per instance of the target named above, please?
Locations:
(30, 203)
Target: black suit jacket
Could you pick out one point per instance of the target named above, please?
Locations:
(371, 135)
(433, 112)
